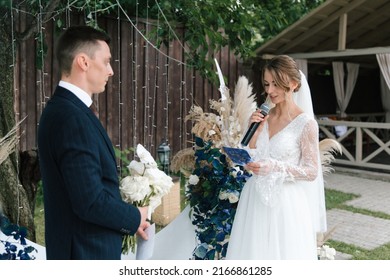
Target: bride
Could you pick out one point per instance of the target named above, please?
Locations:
(282, 206)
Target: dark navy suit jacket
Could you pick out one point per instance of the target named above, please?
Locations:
(85, 217)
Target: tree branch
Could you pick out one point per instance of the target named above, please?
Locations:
(33, 26)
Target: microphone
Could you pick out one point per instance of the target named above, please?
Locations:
(264, 109)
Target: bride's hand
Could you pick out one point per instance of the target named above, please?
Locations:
(253, 167)
(257, 117)
(262, 167)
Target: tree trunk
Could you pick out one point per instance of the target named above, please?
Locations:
(13, 197)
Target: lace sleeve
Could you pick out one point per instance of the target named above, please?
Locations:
(307, 168)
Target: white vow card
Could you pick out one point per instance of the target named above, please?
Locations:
(145, 248)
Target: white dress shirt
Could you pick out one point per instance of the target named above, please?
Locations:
(81, 94)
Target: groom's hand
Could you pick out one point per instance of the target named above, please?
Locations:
(144, 223)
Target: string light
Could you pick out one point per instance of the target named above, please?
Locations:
(41, 81)
(147, 77)
(120, 103)
(185, 89)
(17, 158)
(156, 87)
(67, 14)
(171, 29)
(135, 76)
(144, 37)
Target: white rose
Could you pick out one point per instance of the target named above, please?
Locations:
(329, 252)
(136, 168)
(233, 197)
(223, 195)
(145, 156)
(326, 253)
(159, 180)
(134, 188)
(235, 171)
(193, 180)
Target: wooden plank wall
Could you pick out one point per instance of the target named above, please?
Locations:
(145, 101)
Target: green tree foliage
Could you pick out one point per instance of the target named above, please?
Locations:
(212, 24)
(242, 25)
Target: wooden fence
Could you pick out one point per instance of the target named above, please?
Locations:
(145, 101)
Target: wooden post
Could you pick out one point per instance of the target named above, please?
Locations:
(343, 32)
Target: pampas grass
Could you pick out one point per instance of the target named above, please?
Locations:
(322, 237)
(205, 124)
(328, 147)
(8, 143)
(244, 102)
(225, 127)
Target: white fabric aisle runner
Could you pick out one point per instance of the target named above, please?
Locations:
(176, 241)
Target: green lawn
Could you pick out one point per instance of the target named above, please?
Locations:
(337, 199)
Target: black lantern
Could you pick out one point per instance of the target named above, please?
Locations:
(163, 153)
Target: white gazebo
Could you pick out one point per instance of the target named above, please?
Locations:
(349, 41)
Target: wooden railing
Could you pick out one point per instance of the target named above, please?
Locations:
(362, 117)
(364, 144)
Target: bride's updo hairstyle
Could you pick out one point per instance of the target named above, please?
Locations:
(283, 69)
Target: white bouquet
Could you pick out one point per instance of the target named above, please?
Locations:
(325, 252)
(145, 186)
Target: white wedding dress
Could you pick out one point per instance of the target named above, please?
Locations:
(275, 217)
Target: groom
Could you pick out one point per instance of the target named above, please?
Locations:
(85, 217)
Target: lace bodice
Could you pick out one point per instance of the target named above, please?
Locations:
(290, 155)
(293, 150)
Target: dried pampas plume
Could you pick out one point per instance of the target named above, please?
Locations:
(205, 124)
(8, 143)
(244, 101)
(322, 237)
(328, 147)
(224, 128)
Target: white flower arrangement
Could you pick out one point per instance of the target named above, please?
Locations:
(325, 252)
(145, 186)
(193, 179)
(232, 196)
(214, 181)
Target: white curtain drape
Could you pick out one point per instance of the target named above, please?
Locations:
(384, 65)
(344, 93)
